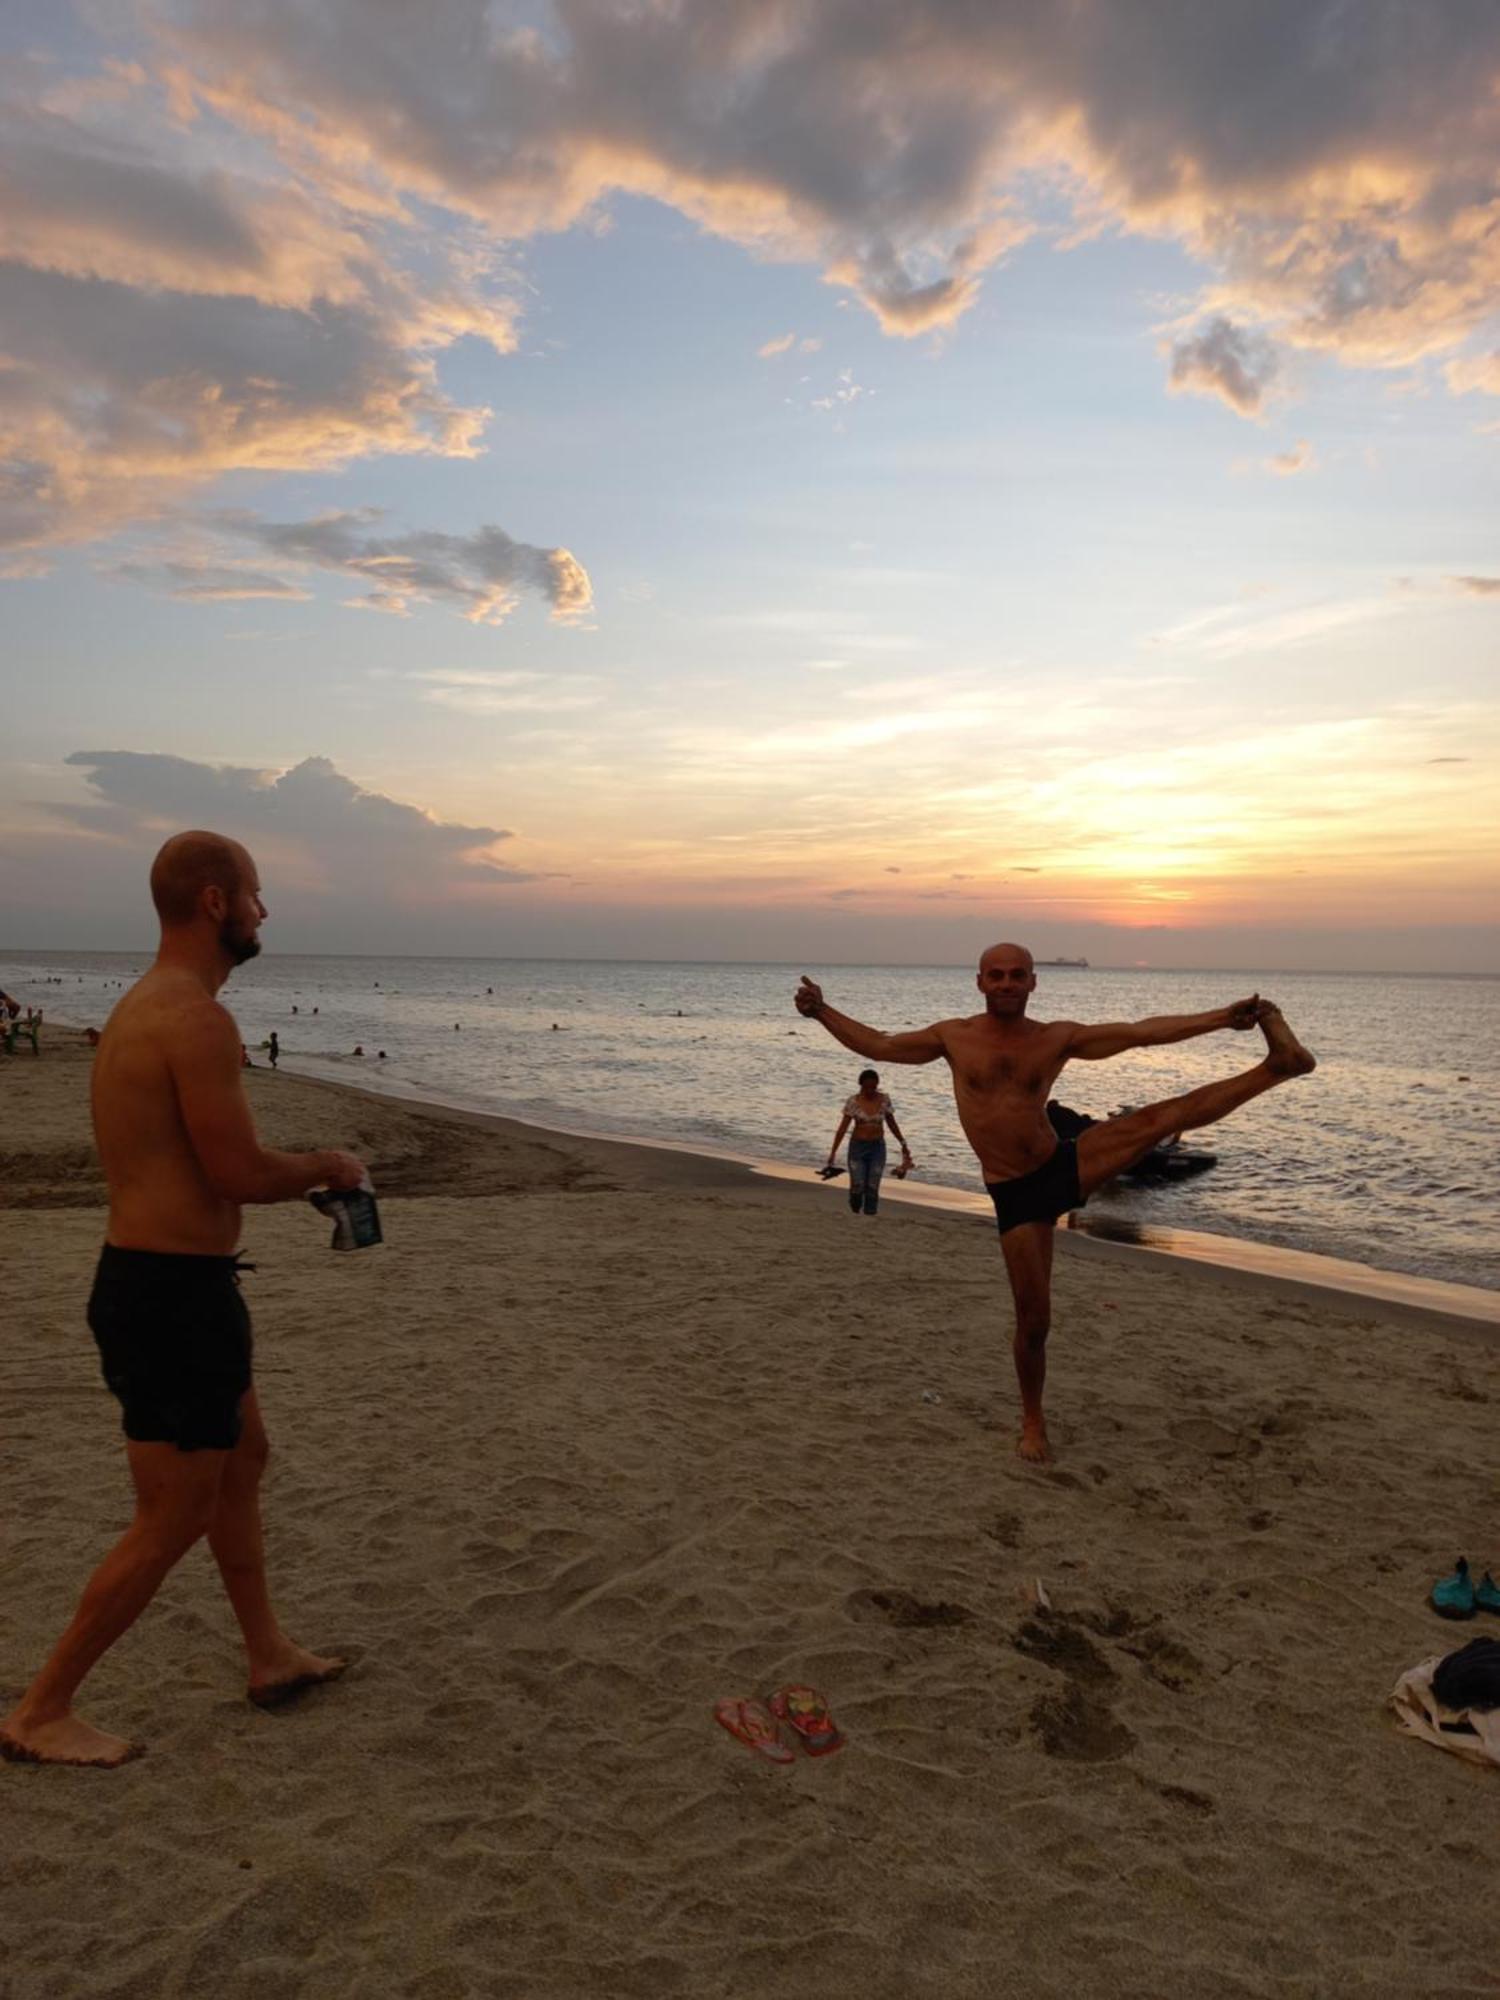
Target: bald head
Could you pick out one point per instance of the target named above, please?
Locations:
(1007, 979)
(188, 864)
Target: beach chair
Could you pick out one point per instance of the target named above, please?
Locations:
(19, 1030)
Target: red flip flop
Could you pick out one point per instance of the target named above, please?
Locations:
(804, 1710)
(750, 1723)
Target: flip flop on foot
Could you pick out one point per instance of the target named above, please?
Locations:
(804, 1710)
(1487, 1593)
(1453, 1596)
(750, 1723)
(276, 1694)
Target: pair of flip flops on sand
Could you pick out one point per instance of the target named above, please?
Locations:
(756, 1724)
(1459, 1596)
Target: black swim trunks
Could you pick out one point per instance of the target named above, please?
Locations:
(174, 1343)
(1044, 1194)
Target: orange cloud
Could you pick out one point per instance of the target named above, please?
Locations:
(1337, 172)
(221, 254)
(165, 319)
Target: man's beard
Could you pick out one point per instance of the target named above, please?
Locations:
(236, 946)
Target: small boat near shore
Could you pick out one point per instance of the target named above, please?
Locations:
(1170, 1161)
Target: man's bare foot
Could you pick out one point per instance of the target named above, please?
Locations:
(68, 1740)
(1284, 1053)
(1034, 1446)
(291, 1673)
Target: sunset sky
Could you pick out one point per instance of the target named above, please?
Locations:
(838, 480)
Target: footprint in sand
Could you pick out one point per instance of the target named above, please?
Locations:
(1184, 1795)
(1060, 1644)
(1076, 1723)
(1075, 1727)
(1213, 1440)
(1005, 1529)
(1169, 1663)
(898, 1607)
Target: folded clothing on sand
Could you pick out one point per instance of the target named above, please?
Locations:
(1471, 1732)
(1470, 1678)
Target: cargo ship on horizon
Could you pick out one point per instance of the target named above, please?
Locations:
(1079, 964)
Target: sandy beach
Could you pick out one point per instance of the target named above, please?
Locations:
(602, 1434)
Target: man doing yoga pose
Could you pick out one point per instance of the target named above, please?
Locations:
(1004, 1066)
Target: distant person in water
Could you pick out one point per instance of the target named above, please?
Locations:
(180, 1155)
(1004, 1066)
(868, 1112)
(273, 1049)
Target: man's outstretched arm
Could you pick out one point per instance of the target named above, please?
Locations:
(922, 1045)
(1112, 1038)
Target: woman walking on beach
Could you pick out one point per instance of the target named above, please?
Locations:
(869, 1111)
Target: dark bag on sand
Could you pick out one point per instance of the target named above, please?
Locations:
(1469, 1678)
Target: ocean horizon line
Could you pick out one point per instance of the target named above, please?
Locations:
(778, 964)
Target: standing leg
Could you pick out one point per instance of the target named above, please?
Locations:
(874, 1168)
(277, 1663)
(1112, 1145)
(175, 1496)
(1028, 1264)
(858, 1167)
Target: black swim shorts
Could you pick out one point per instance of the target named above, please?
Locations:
(1044, 1194)
(174, 1343)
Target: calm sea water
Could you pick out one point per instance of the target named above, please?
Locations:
(1387, 1155)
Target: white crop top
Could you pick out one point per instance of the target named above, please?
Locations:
(854, 1109)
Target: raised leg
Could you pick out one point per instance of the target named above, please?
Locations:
(176, 1494)
(1028, 1264)
(276, 1663)
(1108, 1148)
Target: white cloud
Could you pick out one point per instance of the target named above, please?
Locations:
(1233, 363)
(325, 830)
(206, 582)
(1229, 632)
(844, 392)
(1298, 458)
(508, 693)
(481, 575)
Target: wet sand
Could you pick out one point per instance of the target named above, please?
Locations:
(603, 1433)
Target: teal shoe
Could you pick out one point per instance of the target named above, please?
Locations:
(1454, 1596)
(1487, 1593)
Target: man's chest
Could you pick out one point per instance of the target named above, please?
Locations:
(1022, 1070)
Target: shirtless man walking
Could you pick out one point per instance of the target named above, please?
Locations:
(180, 1155)
(1004, 1066)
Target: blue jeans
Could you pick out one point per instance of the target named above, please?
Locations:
(866, 1165)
